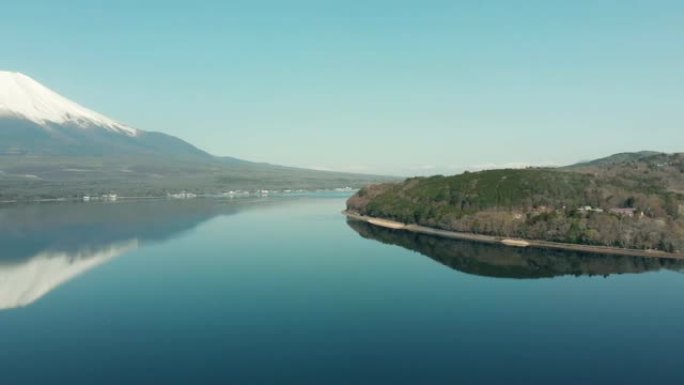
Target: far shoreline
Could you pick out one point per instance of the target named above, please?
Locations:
(510, 242)
(218, 197)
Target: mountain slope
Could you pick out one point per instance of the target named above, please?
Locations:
(35, 120)
(23, 137)
(23, 97)
(52, 147)
(616, 159)
(645, 169)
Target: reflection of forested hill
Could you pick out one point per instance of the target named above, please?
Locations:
(507, 262)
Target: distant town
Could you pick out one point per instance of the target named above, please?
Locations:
(184, 195)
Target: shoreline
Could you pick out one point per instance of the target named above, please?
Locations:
(273, 194)
(510, 242)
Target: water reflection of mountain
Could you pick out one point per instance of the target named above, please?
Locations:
(45, 245)
(24, 282)
(30, 229)
(508, 262)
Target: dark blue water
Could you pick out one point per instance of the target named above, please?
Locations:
(285, 291)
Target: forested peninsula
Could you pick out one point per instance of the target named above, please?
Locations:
(630, 200)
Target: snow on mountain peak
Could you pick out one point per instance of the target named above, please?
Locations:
(23, 97)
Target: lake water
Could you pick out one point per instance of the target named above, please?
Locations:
(285, 291)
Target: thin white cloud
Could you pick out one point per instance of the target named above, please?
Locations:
(348, 168)
(425, 167)
(430, 169)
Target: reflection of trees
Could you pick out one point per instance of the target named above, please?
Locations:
(501, 261)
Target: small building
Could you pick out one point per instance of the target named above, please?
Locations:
(181, 195)
(589, 209)
(109, 197)
(625, 212)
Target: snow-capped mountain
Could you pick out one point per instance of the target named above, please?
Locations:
(24, 98)
(34, 120)
(52, 147)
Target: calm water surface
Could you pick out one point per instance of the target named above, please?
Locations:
(285, 291)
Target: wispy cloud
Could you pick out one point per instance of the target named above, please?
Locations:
(429, 169)
(425, 167)
(357, 168)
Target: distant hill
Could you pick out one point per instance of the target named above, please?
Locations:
(52, 147)
(644, 169)
(621, 158)
(633, 203)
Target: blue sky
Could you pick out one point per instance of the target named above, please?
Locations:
(402, 87)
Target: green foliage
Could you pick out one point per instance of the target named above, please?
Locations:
(545, 204)
(469, 193)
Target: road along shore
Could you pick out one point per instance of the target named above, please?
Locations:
(511, 242)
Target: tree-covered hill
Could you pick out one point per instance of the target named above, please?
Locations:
(616, 159)
(643, 170)
(619, 204)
